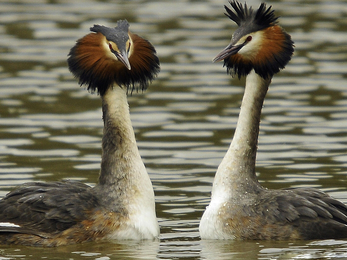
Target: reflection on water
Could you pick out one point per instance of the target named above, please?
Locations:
(50, 129)
(101, 251)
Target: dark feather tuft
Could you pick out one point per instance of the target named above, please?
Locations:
(275, 51)
(255, 21)
(89, 63)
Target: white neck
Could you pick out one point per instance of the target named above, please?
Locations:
(123, 176)
(237, 169)
(235, 176)
(119, 150)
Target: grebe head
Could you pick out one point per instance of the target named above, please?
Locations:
(259, 43)
(109, 56)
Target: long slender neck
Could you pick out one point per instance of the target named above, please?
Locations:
(119, 149)
(124, 185)
(123, 176)
(238, 165)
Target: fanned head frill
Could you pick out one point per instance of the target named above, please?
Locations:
(113, 56)
(259, 43)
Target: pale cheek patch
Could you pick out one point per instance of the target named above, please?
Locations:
(251, 49)
(131, 50)
(107, 50)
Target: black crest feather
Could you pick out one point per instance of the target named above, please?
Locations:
(89, 61)
(272, 55)
(245, 16)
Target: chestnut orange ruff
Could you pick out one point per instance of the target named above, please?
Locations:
(240, 208)
(121, 205)
(276, 47)
(95, 66)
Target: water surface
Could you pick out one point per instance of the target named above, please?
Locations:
(50, 128)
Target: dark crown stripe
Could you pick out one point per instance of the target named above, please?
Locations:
(263, 18)
(241, 13)
(88, 62)
(270, 58)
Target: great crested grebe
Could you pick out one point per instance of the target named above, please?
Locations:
(240, 207)
(111, 61)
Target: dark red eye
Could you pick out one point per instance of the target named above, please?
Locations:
(110, 46)
(249, 38)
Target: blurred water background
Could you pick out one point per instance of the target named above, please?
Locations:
(50, 128)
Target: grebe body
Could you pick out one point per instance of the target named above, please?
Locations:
(240, 208)
(109, 61)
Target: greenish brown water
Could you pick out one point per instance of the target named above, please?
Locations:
(50, 128)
